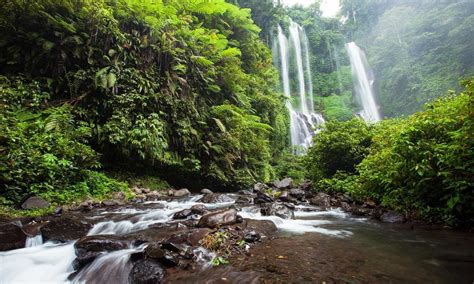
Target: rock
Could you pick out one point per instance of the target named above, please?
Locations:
(392, 217)
(284, 195)
(370, 204)
(155, 252)
(321, 199)
(181, 192)
(206, 191)
(199, 209)
(99, 243)
(284, 183)
(245, 192)
(361, 211)
(262, 198)
(32, 229)
(216, 198)
(146, 271)
(263, 227)
(259, 187)
(118, 195)
(84, 259)
(183, 214)
(65, 229)
(11, 236)
(277, 209)
(35, 202)
(85, 205)
(252, 237)
(153, 195)
(146, 190)
(137, 190)
(109, 203)
(346, 207)
(244, 200)
(298, 193)
(306, 185)
(219, 218)
(58, 211)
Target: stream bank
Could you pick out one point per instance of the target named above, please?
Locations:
(288, 235)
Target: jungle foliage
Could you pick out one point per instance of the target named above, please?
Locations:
(183, 89)
(422, 164)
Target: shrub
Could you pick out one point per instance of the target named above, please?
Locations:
(340, 146)
(426, 162)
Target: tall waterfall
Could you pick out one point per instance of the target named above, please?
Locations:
(363, 81)
(303, 118)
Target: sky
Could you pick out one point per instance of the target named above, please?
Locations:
(328, 7)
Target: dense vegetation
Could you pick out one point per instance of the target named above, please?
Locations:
(180, 89)
(422, 165)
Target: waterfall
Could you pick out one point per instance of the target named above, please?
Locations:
(308, 71)
(363, 81)
(295, 31)
(303, 119)
(34, 241)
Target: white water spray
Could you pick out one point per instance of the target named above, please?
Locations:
(34, 241)
(363, 82)
(303, 119)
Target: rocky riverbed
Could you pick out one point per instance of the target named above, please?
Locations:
(278, 232)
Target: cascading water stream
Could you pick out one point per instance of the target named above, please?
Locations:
(363, 82)
(34, 241)
(303, 119)
(295, 30)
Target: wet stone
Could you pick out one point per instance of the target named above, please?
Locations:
(216, 198)
(199, 209)
(206, 191)
(183, 214)
(277, 209)
(65, 229)
(321, 199)
(11, 237)
(392, 217)
(252, 237)
(219, 218)
(146, 272)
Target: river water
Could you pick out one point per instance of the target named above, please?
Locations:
(318, 246)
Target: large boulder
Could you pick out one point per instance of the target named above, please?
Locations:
(181, 192)
(216, 198)
(199, 209)
(244, 199)
(392, 217)
(100, 243)
(153, 195)
(118, 195)
(219, 218)
(146, 271)
(65, 229)
(263, 227)
(297, 193)
(262, 198)
(259, 187)
(183, 214)
(306, 185)
(154, 251)
(321, 199)
(284, 183)
(245, 192)
(11, 237)
(206, 191)
(281, 210)
(35, 202)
